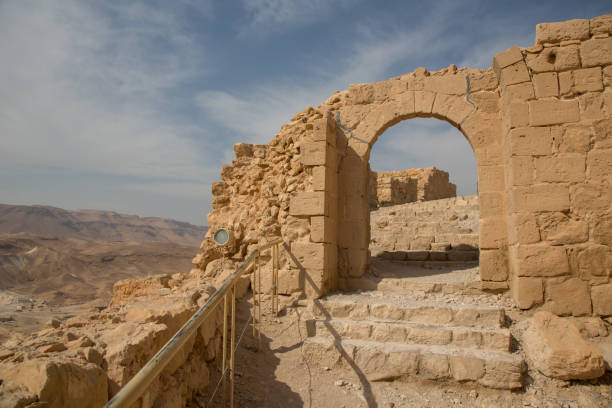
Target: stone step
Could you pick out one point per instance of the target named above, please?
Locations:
(411, 333)
(386, 361)
(425, 312)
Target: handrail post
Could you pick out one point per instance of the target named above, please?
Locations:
(224, 339)
(259, 304)
(232, 349)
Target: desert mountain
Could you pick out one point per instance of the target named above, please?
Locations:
(96, 224)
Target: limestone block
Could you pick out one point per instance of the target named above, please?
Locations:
(518, 92)
(556, 349)
(308, 255)
(514, 74)
(493, 265)
(566, 83)
(506, 58)
(559, 229)
(482, 129)
(60, 384)
(602, 299)
(527, 292)
(596, 52)
(483, 81)
(352, 262)
(517, 115)
(607, 76)
(486, 101)
(602, 230)
(315, 284)
(587, 80)
(576, 139)
(540, 260)
(503, 374)
(555, 59)
(361, 93)
(546, 84)
(447, 84)
(466, 368)
(591, 105)
(322, 229)
(600, 166)
(523, 229)
(416, 335)
(530, 141)
(491, 178)
(491, 204)
(521, 171)
(308, 203)
(568, 297)
(315, 153)
(593, 261)
(451, 107)
(434, 366)
(492, 232)
(551, 112)
(324, 129)
(587, 198)
(577, 29)
(423, 101)
(601, 24)
(568, 167)
(529, 199)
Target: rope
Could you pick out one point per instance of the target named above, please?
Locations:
(227, 369)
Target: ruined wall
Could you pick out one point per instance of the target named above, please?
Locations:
(538, 122)
(437, 230)
(558, 126)
(407, 186)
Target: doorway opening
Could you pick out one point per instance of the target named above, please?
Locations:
(424, 208)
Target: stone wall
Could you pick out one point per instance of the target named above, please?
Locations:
(438, 230)
(558, 127)
(407, 186)
(539, 123)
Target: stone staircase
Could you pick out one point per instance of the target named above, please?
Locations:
(388, 337)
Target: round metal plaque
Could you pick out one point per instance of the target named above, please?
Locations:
(221, 237)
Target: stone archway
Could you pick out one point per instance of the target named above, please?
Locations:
(464, 98)
(539, 125)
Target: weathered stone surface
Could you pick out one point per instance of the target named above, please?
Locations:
(596, 52)
(61, 384)
(556, 349)
(551, 112)
(602, 299)
(541, 260)
(577, 29)
(568, 297)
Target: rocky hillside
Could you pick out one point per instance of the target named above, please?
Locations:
(96, 224)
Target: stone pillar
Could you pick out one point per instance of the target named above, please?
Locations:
(318, 258)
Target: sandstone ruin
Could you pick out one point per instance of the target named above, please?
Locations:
(540, 124)
(407, 186)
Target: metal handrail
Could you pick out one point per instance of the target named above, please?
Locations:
(136, 387)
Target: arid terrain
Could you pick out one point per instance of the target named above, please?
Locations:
(55, 263)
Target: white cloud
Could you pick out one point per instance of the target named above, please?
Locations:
(85, 91)
(269, 15)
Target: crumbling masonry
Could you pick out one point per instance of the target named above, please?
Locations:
(540, 124)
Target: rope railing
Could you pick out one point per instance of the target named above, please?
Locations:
(226, 294)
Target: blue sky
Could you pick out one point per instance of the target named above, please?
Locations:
(133, 106)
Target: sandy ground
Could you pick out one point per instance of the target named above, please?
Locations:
(279, 376)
